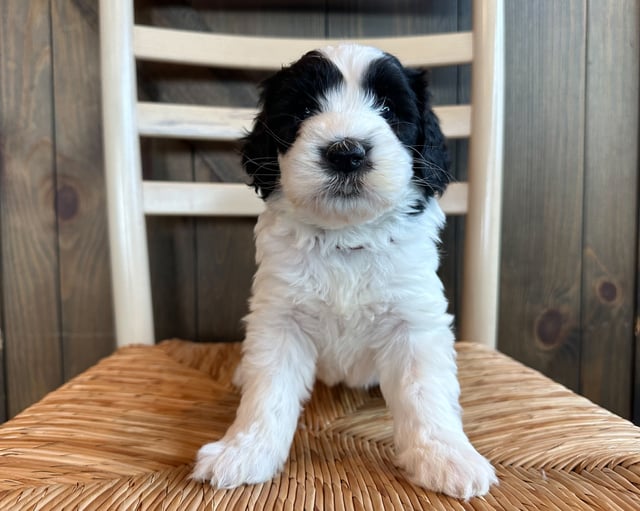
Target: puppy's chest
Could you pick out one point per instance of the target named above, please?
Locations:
(346, 281)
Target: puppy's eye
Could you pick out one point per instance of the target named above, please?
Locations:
(306, 112)
(385, 111)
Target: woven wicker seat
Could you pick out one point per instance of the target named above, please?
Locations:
(123, 435)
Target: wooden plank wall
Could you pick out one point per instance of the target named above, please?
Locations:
(569, 288)
(611, 177)
(571, 194)
(31, 313)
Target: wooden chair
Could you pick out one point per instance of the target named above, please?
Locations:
(123, 434)
(131, 198)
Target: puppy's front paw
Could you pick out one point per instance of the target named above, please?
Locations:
(227, 464)
(453, 468)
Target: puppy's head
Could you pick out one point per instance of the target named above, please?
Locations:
(346, 134)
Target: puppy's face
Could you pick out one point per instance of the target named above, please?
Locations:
(346, 134)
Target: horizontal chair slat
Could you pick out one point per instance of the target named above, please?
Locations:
(271, 53)
(454, 201)
(167, 120)
(200, 199)
(237, 199)
(225, 123)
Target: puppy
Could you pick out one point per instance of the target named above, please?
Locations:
(349, 159)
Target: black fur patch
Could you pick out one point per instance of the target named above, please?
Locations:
(287, 98)
(403, 94)
(294, 93)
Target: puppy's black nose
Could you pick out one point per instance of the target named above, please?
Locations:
(346, 155)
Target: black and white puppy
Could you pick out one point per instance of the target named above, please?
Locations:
(349, 159)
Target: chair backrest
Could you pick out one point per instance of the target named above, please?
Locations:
(126, 118)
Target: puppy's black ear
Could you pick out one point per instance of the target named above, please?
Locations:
(431, 164)
(260, 151)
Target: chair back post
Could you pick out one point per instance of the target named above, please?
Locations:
(123, 174)
(481, 272)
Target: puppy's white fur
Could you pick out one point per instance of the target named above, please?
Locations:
(347, 290)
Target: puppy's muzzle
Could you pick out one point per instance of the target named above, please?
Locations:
(346, 156)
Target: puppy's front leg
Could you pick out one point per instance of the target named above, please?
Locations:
(278, 368)
(418, 380)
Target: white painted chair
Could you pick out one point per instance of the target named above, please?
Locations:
(125, 119)
(124, 434)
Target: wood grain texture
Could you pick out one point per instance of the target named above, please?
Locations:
(200, 254)
(610, 203)
(271, 53)
(225, 251)
(85, 283)
(228, 124)
(543, 186)
(171, 246)
(27, 194)
(172, 241)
